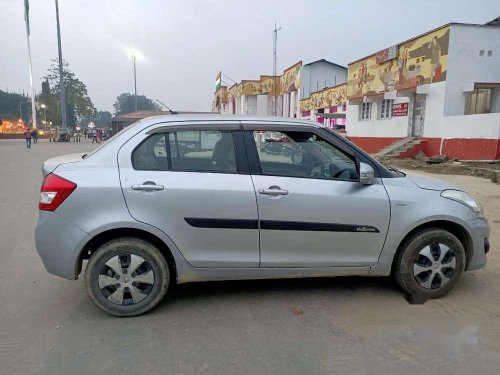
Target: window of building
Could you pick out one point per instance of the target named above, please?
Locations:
(386, 109)
(478, 101)
(490, 53)
(365, 111)
(481, 52)
(304, 154)
(205, 150)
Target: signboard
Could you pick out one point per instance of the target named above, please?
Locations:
(400, 109)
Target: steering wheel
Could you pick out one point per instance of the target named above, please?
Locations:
(340, 171)
(316, 169)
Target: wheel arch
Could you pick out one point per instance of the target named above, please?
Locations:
(108, 235)
(454, 228)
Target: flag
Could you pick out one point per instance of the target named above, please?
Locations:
(27, 15)
(218, 81)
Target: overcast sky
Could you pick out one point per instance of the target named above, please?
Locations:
(185, 43)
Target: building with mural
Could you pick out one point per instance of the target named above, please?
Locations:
(439, 90)
(278, 95)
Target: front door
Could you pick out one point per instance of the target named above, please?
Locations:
(418, 115)
(312, 210)
(192, 185)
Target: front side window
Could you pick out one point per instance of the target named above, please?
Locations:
(386, 109)
(365, 111)
(302, 154)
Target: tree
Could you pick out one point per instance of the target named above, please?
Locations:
(125, 103)
(100, 119)
(78, 103)
(13, 105)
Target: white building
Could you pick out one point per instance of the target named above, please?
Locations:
(441, 88)
(279, 95)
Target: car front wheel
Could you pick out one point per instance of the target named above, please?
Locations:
(430, 263)
(127, 277)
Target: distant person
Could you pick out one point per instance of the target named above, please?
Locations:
(78, 136)
(27, 137)
(34, 135)
(94, 136)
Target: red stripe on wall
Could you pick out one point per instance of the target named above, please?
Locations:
(460, 148)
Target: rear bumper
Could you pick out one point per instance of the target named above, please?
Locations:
(480, 232)
(59, 244)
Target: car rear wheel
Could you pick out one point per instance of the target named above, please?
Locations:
(430, 263)
(127, 277)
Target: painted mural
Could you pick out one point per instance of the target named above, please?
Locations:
(221, 96)
(329, 97)
(250, 87)
(267, 84)
(290, 80)
(420, 61)
(234, 92)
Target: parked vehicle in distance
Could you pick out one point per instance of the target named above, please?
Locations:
(190, 198)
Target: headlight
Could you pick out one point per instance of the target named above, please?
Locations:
(464, 198)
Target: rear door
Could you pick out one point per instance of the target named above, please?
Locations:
(312, 210)
(192, 182)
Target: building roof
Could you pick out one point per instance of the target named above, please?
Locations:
(134, 116)
(326, 61)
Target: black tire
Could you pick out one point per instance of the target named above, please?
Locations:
(410, 251)
(124, 248)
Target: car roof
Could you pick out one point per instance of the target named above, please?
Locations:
(189, 118)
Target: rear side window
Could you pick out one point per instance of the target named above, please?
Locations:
(151, 154)
(198, 150)
(202, 150)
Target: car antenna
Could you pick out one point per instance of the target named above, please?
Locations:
(171, 112)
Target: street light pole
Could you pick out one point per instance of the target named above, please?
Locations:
(135, 84)
(61, 79)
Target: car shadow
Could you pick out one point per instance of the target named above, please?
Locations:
(342, 287)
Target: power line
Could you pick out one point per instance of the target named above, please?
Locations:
(225, 75)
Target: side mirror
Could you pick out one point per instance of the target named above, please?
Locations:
(366, 174)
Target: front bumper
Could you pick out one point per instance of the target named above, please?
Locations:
(480, 232)
(59, 244)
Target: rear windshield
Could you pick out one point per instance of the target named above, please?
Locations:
(110, 140)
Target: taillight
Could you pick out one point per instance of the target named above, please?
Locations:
(54, 191)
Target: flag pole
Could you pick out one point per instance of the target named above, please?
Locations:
(27, 19)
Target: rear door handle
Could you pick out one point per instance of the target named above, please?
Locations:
(273, 190)
(147, 186)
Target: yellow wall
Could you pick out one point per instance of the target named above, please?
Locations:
(325, 98)
(420, 61)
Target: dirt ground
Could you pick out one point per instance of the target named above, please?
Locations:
(350, 325)
(479, 169)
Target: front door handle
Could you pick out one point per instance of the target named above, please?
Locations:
(273, 190)
(147, 186)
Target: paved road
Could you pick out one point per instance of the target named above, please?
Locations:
(341, 326)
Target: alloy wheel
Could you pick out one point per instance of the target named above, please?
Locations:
(434, 266)
(126, 279)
